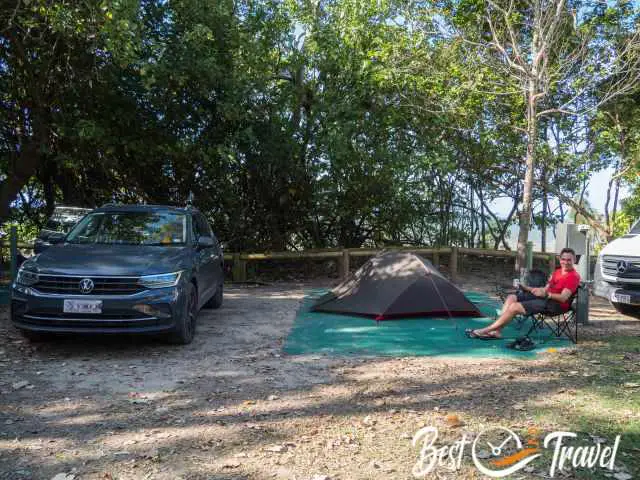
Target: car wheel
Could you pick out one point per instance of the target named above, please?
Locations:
(186, 327)
(631, 310)
(216, 300)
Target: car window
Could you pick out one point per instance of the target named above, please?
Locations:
(131, 228)
(64, 219)
(195, 231)
(58, 224)
(203, 226)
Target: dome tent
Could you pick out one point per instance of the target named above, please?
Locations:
(396, 285)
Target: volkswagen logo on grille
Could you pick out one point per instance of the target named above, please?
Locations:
(621, 266)
(86, 285)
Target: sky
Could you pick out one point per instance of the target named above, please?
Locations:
(597, 193)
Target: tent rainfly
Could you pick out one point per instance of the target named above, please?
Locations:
(396, 285)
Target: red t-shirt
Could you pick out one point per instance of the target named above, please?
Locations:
(559, 281)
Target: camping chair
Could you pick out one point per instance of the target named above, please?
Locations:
(560, 324)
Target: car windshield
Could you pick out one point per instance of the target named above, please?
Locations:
(635, 229)
(131, 228)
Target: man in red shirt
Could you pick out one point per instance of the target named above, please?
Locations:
(552, 298)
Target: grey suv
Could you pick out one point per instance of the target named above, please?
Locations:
(123, 269)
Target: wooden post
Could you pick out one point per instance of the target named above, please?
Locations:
(13, 252)
(344, 264)
(453, 264)
(552, 264)
(436, 259)
(529, 257)
(239, 272)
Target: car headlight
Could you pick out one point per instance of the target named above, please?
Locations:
(160, 281)
(26, 277)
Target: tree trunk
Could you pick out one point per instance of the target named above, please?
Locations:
(24, 168)
(543, 223)
(607, 217)
(527, 192)
(483, 232)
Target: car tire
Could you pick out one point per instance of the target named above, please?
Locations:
(631, 310)
(216, 301)
(186, 325)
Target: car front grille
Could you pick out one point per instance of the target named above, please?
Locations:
(621, 267)
(102, 285)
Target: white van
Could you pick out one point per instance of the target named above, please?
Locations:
(617, 274)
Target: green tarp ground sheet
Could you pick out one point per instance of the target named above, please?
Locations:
(318, 332)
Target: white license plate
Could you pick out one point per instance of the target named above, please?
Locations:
(622, 298)
(82, 306)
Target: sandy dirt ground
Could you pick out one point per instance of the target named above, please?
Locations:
(232, 405)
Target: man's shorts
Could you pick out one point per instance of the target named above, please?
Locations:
(533, 304)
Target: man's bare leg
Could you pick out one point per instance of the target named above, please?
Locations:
(508, 301)
(508, 314)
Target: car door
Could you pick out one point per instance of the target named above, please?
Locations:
(207, 260)
(218, 267)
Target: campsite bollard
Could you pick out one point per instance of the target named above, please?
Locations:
(239, 272)
(582, 301)
(13, 252)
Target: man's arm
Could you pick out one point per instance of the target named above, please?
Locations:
(561, 297)
(538, 291)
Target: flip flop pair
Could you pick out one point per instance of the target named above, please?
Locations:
(471, 333)
(523, 344)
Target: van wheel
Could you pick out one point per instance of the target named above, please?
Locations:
(186, 327)
(631, 310)
(216, 300)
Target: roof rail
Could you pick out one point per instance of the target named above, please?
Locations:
(110, 204)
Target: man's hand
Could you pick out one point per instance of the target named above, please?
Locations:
(539, 292)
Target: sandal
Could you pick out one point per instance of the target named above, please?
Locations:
(471, 333)
(523, 344)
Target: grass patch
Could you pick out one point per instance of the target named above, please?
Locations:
(603, 400)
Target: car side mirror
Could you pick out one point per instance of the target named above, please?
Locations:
(205, 242)
(57, 237)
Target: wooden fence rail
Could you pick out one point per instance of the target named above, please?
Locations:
(239, 260)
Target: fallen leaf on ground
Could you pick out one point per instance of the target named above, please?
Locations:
(276, 449)
(453, 421)
(64, 476)
(622, 476)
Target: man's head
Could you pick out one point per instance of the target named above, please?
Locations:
(567, 259)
